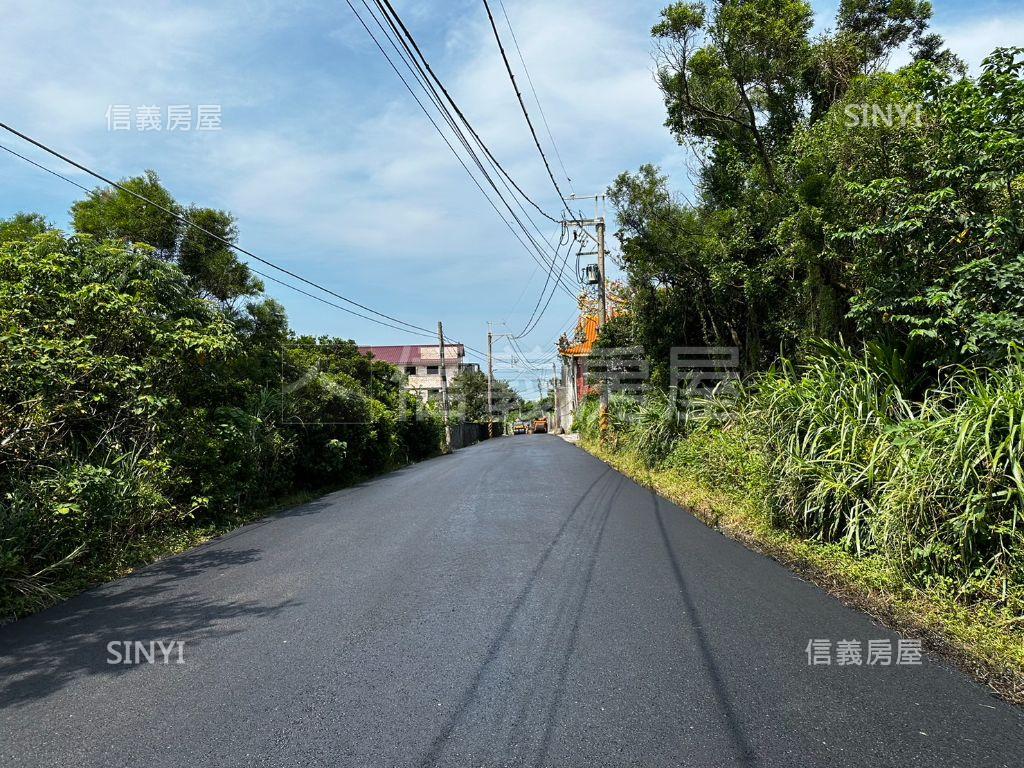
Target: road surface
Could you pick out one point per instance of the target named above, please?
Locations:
(516, 604)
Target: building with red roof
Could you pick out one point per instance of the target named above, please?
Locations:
(422, 365)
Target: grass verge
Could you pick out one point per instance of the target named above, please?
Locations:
(986, 643)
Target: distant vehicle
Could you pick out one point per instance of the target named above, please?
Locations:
(540, 426)
(520, 427)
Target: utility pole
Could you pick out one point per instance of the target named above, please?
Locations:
(554, 379)
(598, 223)
(603, 285)
(490, 378)
(604, 316)
(444, 390)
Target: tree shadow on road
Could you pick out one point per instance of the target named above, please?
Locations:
(48, 651)
(741, 745)
(518, 731)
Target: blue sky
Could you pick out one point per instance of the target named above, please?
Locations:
(327, 162)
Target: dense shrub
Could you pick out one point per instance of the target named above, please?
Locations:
(834, 450)
(132, 402)
(839, 202)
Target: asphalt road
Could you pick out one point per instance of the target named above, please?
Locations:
(518, 603)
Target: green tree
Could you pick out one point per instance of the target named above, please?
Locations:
(22, 226)
(878, 27)
(756, 261)
(915, 224)
(506, 399)
(732, 77)
(212, 265)
(198, 247)
(113, 214)
(469, 394)
(132, 407)
(99, 343)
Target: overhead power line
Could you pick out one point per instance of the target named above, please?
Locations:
(414, 60)
(249, 267)
(529, 325)
(423, 80)
(424, 74)
(522, 103)
(401, 39)
(336, 306)
(475, 352)
(185, 220)
(418, 65)
(389, 11)
(536, 98)
(30, 161)
(536, 320)
(472, 352)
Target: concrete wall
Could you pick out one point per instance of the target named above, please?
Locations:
(469, 433)
(424, 382)
(565, 409)
(434, 353)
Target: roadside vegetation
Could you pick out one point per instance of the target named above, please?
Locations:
(468, 393)
(858, 235)
(151, 397)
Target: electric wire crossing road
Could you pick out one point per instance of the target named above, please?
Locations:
(461, 612)
(498, 187)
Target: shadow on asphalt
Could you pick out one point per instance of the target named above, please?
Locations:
(741, 745)
(45, 652)
(547, 661)
(330, 498)
(487, 676)
(303, 510)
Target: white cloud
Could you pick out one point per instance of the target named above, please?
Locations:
(326, 159)
(382, 182)
(976, 39)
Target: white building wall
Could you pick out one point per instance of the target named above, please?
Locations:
(423, 383)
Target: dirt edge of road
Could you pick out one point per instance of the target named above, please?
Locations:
(979, 642)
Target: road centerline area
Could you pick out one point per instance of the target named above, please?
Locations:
(515, 603)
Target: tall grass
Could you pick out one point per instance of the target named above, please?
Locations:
(837, 451)
(954, 498)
